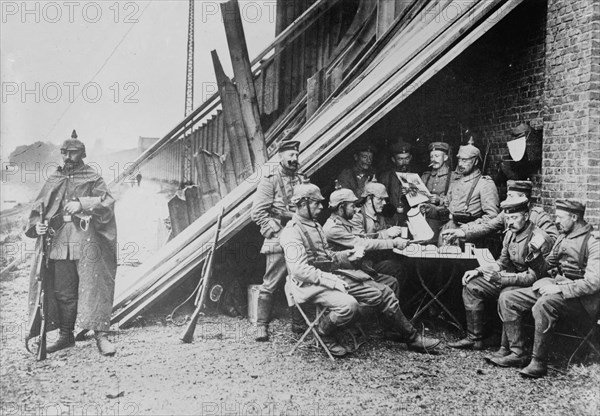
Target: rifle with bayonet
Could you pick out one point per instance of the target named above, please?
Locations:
(207, 269)
(37, 326)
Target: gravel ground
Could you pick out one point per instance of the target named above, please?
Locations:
(225, 372)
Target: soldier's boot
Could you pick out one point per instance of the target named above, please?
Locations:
(65, 340)
(474, 338)
(105, 347)
(327, 329)
(537, 367)
(503, 351)
(517, 357)
(263, 316)
(298, 322)
(414, 340)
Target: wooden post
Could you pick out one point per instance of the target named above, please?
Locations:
(244, 79)
(385, 15)
(232, 112)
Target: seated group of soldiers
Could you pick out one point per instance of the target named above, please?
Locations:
(549, 268)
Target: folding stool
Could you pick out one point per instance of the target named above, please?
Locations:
(311, 324)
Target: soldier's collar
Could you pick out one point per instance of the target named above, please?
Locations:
(339, 219)
(305, 221)
(579, 231)
(520, 236)
(287, 171)
(471, 176)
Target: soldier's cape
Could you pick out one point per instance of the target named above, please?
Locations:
(97, 266)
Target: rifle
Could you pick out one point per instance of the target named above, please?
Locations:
(188, 335)
(38, 324)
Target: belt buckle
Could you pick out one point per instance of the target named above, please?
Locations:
(67, 218)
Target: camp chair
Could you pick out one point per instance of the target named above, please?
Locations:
(311, 324)
(587, 339)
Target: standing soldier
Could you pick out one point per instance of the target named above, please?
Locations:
(402, 159)
(437, 180)
(471, 195)
(515, 189)
(357, 176)
(271, 210)
(512, 272)
(82, 257)
(319, 275)
(571, 289)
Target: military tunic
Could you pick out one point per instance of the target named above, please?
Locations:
(537, 216)
(271, 209)
(438, 183)
(83, 253)
(350, 179)
(514, 270)
(341, 235)
(576, 273)
(310, 284)
(484, 202)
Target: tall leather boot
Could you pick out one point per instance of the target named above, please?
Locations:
(517, 357)
(298, 322)
(327, 329)
(414, 340)
(65, 340)
(474, 338)
(105, 347)
(265, 302)
(503, 351)
(537, 367)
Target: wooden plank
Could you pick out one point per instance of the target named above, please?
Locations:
(178, 212)
(333, 141)
(385, 15)
(192, 200)
(244, 80)
(314, 93)
(232, 113)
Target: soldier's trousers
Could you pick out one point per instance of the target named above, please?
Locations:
(343, 307)
(391, 268)
(63, 284)
(546, 310)
(478, 290)
(275, 272)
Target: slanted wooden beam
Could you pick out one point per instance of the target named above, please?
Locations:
(232, 113)
(245, 81)
(385, 15)
(315, 92)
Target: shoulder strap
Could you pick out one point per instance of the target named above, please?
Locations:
(475, 182)
(310, 242)
(583, 252)
(448, 180)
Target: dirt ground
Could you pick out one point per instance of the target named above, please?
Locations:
(224, 372)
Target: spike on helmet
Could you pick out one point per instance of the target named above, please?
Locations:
(341, 195)
(73, 144)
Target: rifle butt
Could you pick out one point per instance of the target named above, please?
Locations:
(188, 335)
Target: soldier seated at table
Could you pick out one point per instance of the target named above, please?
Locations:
(355, 177)
(327, 278)
(471, 195)
(369, 222)
(437, 181)
(479, 229)
(508, 273)
(569, 289)
(342, 234)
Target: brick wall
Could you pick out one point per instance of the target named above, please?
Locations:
(572, 96)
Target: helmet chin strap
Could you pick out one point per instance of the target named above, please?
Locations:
(308, 209)
(373, 205)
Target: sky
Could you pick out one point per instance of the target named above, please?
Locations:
(112, 70)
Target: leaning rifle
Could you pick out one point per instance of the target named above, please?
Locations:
(207, 270)
(37, 326)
